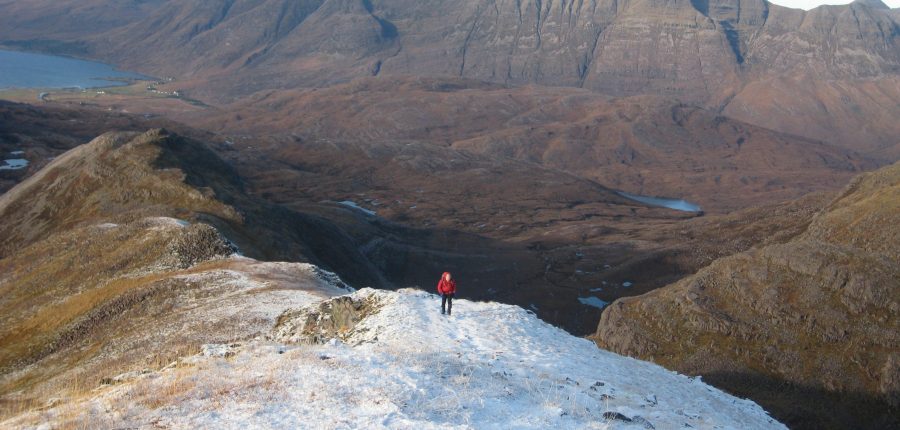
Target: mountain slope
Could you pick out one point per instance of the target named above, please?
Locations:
(128, 230)
(39, 134)
(687, 48)
(720, 55)
(535, 236)
(818, 312)
(395, 362)
(144, 176)
(642, 145)
(126, 177)
(142, 268)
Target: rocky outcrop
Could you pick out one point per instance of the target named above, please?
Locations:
(818, 313)
(332, 319)
(199, 243)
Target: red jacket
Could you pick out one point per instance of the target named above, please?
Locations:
(446, 287)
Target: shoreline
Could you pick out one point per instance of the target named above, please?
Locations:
(104, 79)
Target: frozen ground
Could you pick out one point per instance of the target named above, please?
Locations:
(405, 366)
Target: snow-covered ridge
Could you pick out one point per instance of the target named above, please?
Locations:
(404, 365)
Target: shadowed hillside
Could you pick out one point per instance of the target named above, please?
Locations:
(808, 328)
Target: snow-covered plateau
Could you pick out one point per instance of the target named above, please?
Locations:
(400, 364)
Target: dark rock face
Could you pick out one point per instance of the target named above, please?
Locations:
(199, 243)
(818, 313)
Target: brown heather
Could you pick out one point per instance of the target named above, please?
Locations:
(808, 328)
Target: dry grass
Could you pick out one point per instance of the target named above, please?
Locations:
(170, 386)
(80, 320)
(152, 395)
(70, 290)
(115, 343)
(815, 312)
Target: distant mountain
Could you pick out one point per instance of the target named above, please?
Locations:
(808, 328)
(832, 70)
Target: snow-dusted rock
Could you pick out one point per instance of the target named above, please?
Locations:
(402, 364)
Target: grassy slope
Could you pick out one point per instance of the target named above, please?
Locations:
(818, 312)
(97, 264)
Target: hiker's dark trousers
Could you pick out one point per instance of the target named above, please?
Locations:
(446, 303)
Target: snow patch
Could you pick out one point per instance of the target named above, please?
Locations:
(163, 222)
(676, 204)
(218, 350)
(627, 284)
(351, 204)
(14, 164)
(593, 301)
(17, 153)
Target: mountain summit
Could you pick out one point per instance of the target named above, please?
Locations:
(875, 4)
(377, 359)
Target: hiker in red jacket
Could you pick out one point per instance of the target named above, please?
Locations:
(447, 289)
